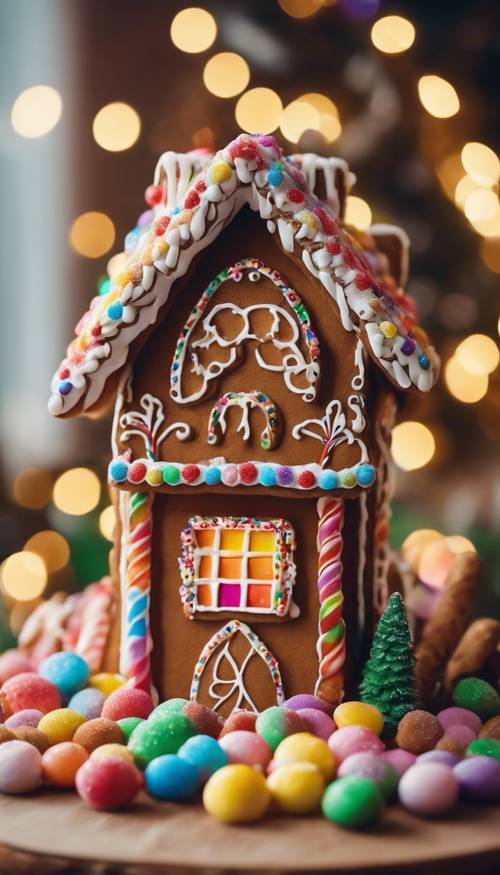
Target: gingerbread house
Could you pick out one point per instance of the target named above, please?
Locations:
(255, 348)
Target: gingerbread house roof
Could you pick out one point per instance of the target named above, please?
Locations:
(194, 197)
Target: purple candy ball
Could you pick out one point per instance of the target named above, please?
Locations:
(306, 700)
(145, 218)
(20, 767)
(87, 702)
(452, 716)
(371, 766)
(439, 756)
(284, 476)
(429, 789)
(318, 723)
(27, 717)
(479, 778)
(401, 760)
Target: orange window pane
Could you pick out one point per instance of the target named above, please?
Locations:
(231, 539)
(262, 542)
(260, 568)
(205, 537)
(230, 567)
(205, 567)
(204, 595)
(258, 595)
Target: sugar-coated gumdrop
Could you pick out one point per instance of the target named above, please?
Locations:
(29, 690)
(479, 778)
(107, 682)
(33, 736)
(484, 747)
(127, 725)
(205, 753)
(154, 738)
(303, 747)
(6, 734)
(113, 750)
(446, 744)
(14, 662)
(451, 716)
(306, 700)
(353, 802)
(243, 746)
(439, 756)
(168, 707)
(171, 778)
(93, 733)
(244, 720)
(60, 725)
(236, 794)
(61, 762)
(477, 695)
(429, 789)
(418, 731)
(275, 723)
(491, 728)
(20, 767)
(67, 671)
(372, 766)
(359, 714)
(354, 739)
(107, 784)
(205, 720)
(297, 788)
(318, 723)
(127, 702)
(88, 703)
(28, 717)
(401, 760)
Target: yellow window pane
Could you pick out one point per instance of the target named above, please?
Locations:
(262, 542)
(260, 568)
(231, 539)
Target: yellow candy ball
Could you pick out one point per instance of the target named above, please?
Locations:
(220, 172)
(107, 682)
(359, 714)
(302, 747)
(162, 247)
(60, 725)
(388, 329)
(107, 751)
(154, 477)
(297, 788)
(236, 794)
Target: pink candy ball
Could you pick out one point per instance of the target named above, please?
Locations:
(401, 760)
(20, 767)
(27, 717)
(239, 720)
(127, 702)
(108, 783)
(461, 733)
(464, 717)
(246, 747)
(306, 700)
(354, 739)
(29, 690)
(14, 662)
(429, 789)
(318, 723)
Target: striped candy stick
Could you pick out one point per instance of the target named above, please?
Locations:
(138, 555)
(331, 639)
(96, 623)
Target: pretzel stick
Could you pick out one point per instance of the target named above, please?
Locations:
(475, 647)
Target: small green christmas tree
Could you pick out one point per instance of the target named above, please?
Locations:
(389, 675)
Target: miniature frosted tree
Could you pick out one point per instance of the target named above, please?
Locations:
(389, 675)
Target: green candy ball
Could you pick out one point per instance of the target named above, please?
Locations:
(171, 706)
(128, 724)
(484, 747)
(478, 696)
(154, 738)
(353, 802)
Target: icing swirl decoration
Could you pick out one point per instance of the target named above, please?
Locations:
(147, 423)
(246, 401)
(332, 429)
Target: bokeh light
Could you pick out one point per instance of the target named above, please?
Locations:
(490, 253)
(92, 234)
(329, 122)
(414, 545)
(297, 118)
(116, 127)
(107, 521)
(393, 34)
(450, 172)
(413, 445)
(51, 547)
(488, 228)
(464, 386)
(459, 544)
(116, 264)
(465, 186)
(481, 163)
(358, 213)
(24, 576)
(77, 491)
(226, 74)
(193, 30)
(478, 354)
(481, 205)
(438, 96)
(260, 110)
(36, 111)
(33, 488)
(300, 8)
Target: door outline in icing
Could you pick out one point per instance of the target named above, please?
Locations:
(257, 648)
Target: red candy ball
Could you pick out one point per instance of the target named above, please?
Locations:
(29, 690)
(108, 783)
(295, 196)
(306, 479)
(207, 722)
(239, 720)
(190, 473)
(137, 472)
(13, 662)
(247, 472)
(362, 282)
(153, 195)
(191, 200)
(161, 225)
(332, 247)
(127, 702)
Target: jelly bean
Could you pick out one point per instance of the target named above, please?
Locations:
(242, 746)
(318, 723)
(451, 716)
(96, 732)
(27, 717)
(108, 783)
(354, 739)
(153, 738)
(400, 760)
(107, 682)
(171, 778)
(127, 702)
(275, 723)
(113, 750)
(206, 721)
(14, 662)
(128, 724)
(306, 700)
(371, 766)
(236, 794)
(429, 789)
(67, 671)
(204, 752)
(477, 695)
(61, 762)
(20, 767)
(479, 778)
(87, 702)
(359, 714)
(60, 725)
(297, 788)
(28, 690)
(418, 731)
(487, 747)
(239, 720)
(353, 802)
(306, 748)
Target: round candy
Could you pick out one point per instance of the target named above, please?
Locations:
(67, 671)
(275, 723)
(171, 778)
(418, 731)
(6, 734)
(359, 714)
(242, 746)
(205, 720)
(478, 696)
(27, 717)
(236, 794)
(168, 707)
(297, 788)
(60, 725)
(447, 744)
(5, 709)
(14, 662)
(127, 725)
(20, 767)
(107, 682)
(29, 690)
(439, 756)
(88, 703)
(372, 766)
(153, 738)
(113, 750)
(239, 720)
(353, 802)
(429, 789)
(306, 700)
(487, 747)
(463, 735)
(306, 748)
(354, 739)
(61, 763)
(491, 728)
(93, 733)
(452, 716)
(127, 702)
(479, 778)
(205, 753)
(108, 783)
(33, 736)
(318, 723)
(400, 760)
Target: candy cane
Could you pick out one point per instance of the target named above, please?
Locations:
(96, 622)
(136, 662)
(331, 640)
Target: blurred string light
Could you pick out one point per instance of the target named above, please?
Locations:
(259, 109)
(51, 547)
(413, 445)
(33, 488)
(393, 34)
(478, 354)
(77, 491)
(438, 96)
(481, 205)
(92, 234)
(329, 122)
(107, 520)
(488, 228)
(465, 186)
(300, 8)
(116, 264)
(193, 30)
(297, 118)
(116, 127)
(36, 111)
(464, 386)
(358, 213)
(481, 163)
(226, 74)
(24, 576)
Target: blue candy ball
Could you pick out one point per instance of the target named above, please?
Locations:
(424, 362)
(67, 671)
(87, 702)
(365, 475)
(328, 479)
(205, 753)
(171, 778)
(267, 476)
(65, 387)
(212, 476)
(118, 471)
(115, 311)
